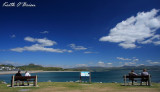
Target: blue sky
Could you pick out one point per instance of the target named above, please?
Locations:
(72, 33)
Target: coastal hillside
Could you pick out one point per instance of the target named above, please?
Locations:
(92, 69)
(39, 67)
(103, 69)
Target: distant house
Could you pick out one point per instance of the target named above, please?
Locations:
(8, 68)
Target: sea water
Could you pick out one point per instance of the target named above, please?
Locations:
(100, 77)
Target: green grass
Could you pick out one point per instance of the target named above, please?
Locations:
(63, 86)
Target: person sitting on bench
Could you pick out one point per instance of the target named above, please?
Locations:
(132, 74)
(144, 73)
(19, 74)
(27, 74)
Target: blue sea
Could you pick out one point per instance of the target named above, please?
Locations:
(104, 77)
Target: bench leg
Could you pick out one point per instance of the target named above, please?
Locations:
(23, 83)
(141, 83)
(28, 82)
(132, 82)
(19, 83)
(11, 83)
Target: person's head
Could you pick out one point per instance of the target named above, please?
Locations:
(26, 71)
(19, 71)
(132, 70)
(144, 70)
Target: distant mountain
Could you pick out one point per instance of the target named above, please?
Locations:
(103, 69)
(92, 69)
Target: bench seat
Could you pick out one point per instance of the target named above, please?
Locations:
(24, 78)
(146, 79)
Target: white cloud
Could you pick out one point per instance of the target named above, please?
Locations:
(70, 51)
(73, 46)
(157, 43)
(121, 58)
(88, 52)
(41, 45)
(37, 47)
(13, 36)
(102, 64)
(139, 29)
(133, 59)
(44, 32)
(81, 65)
(150, 40)
(30, 39)
(109, 63)
(44, 41)
(141, 64)
(130, 63)
(153, 63)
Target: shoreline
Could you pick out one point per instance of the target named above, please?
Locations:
(14, 72)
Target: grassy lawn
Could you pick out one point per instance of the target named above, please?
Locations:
(81, 87)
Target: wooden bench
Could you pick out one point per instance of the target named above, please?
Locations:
(146, 79)
(24, 78)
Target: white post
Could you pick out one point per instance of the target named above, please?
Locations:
(80, 78)
(149, 80)
(35, 81)
(12, 84)
(125, 80)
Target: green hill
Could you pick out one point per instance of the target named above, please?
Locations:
(39, 67)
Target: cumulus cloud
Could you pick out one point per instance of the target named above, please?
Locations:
(130, 63)
(157, 43)
(30, 39)
(13, 36)
(109, 63)
(81, 65)
(139, 29)
(102, 64)
(43, 41)
(73, 46)
(141, 64)
(153, 63)
(121, 58)
(89, 52)
(134, 59)
(44, 32)
(40, 45)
